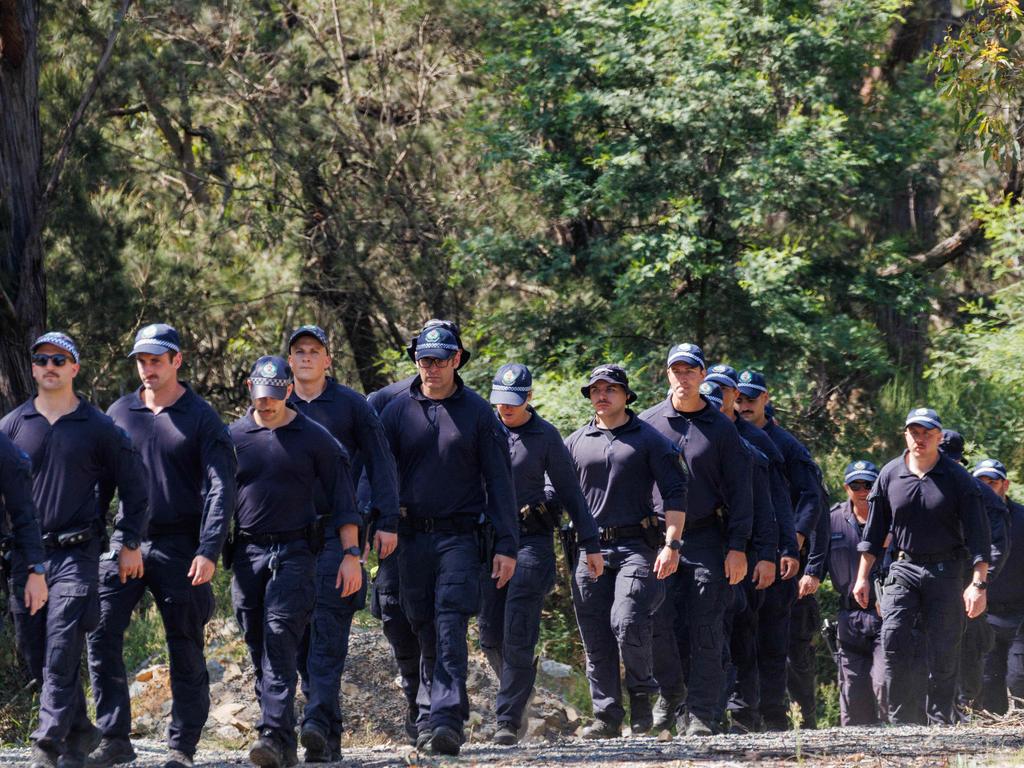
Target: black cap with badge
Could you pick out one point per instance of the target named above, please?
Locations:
(313, 331)
(512, 383)
(270, 377)
(447, 325)
(612, 374)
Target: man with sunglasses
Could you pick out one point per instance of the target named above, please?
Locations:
(620, 460)
(190, 468)
(453, 469)
(932, 507)
(385, 600)
(73, 447)
(859, 658)
(353, 423)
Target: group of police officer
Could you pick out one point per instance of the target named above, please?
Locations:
(698, 532)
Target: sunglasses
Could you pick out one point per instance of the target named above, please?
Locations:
(41, 360)
(860, 485)
(433, 362)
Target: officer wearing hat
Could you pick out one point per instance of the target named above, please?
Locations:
(287, 465)
(932, 507)
(73, 447)
(719, 516)
(760, 630)
(978, 637)
(861, 665)
(453, 468)
(509, 619)
(778, 627)
(619, 458)
(352, 422)
(190, 470)
(1004, 662)
(385, 602)
(21, 544)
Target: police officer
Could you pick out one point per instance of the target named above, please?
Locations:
(932, 506)
(21, 544)
(73, 446)
(509, 619)
(719, 517)
(453, 467)
(776, 618)
(190, 468)
(346, 415)
(386, 602)
(285, 460)
(760, 630)
(859, 658)
(619, 458)
(1004, 663)
(979, 637)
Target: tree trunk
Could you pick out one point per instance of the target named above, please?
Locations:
(22, 282)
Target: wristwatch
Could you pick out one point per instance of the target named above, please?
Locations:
(675, 545)
(982, 585)
(354, 551)
(130, 543)
(39, 569)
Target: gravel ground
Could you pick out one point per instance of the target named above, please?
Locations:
(831, 747)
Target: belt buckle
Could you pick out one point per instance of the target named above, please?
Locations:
(428, 525)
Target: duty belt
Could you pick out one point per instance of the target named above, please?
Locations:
(179, 528)
(650, 529)
(538, 519)
(71, 538)
(930, 559)
(438, 524)
(269, 539)
(692, 526)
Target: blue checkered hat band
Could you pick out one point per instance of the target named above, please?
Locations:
(58, 340)
(159, 343)
(746, 385)
(436, 345)
(260, 381)
(505, 388)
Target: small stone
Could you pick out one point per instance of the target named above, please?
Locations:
(571, 715)
(398, 681)
(215, 669)
(165, 708)
(226, 712)
(665, 735)
(217, 691)
(555, 669)
(136, 689)
(536, 728)
(349, 690)
(145, 675)
(231, 672)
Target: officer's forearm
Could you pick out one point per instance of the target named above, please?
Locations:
(867, 560)
(349, 534)
(981, 572)
(674, 522)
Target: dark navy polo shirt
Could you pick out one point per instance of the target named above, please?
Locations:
(782, 505)
(843, 557)
(349, 418)
(764, 533)
(453, 461)
(804, 489)
(69, 460)
(820, 539)
(618, 468)
(719, 467)
(280, 471)
(1007, 594)
(938, 513)
(18, 507)
(190, 465)
(999, 529)
(538, 454)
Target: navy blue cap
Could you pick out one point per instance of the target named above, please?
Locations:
(448, 325)
(952, 445)
(711, 392)
(860, 470)
(270, 377)
(751, 383)
(315, 331)
(512, 383)
(993, 468)
(687, 353)
(156, 339)
(924, 417)
(613, 374)
(723, 375)
(436, 342)
(58, 339)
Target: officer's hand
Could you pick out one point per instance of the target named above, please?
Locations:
(350, 576)
(764, 574)
(975, 601)
(36, 593)
(384, 543)
(201, 570)
(860, 593)
(502, 570)
(129, 564)
(735, 566)
(808, 585)
(788, 567)
(667, 562)
(595, 564)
